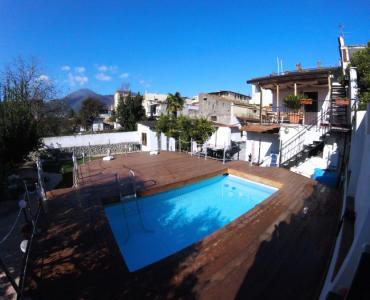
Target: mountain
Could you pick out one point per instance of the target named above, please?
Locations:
(76, 98)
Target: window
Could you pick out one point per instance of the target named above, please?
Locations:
(311, 107)
(213, 118)
(143, 138)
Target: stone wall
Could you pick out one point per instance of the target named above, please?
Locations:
(100, 150)
(96, 139)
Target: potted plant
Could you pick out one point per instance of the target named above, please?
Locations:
(294, 103)
(342, 101)
(306, 101)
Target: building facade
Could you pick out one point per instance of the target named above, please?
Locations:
(155, 104)
(226, 110)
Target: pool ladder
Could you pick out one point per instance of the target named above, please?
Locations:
(132, 196)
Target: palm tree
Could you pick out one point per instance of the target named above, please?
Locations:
(174, 103)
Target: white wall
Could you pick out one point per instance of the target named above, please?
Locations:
(236, 135)
(221, 137)
(357, 144)
(164, 141)
(92, 139)
(288, 131)
(151, 138)
(256, 94)
(359, 188)
(261, 145)
(98, 126)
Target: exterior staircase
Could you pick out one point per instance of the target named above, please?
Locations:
(339, 112)
(300, 147)
(306, 151)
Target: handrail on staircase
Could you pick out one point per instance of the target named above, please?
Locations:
(300, 134)
(306, 128)
(322, 115)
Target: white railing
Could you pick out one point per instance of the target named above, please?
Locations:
(206, 151)
(296, 143)
(303, 138)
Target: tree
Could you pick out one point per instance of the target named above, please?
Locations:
(129, 111)
(90, 109)
(24, 80)
(174, 103)
(23, 90)
(202, 130)
(19, 132)
(361, 60)
(185, 128)
(57, 118)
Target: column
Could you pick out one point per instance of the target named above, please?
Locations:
(260, 88)
(278, 102)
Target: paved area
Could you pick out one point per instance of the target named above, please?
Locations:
(275, 251)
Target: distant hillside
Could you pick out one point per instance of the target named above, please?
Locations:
(75, 99)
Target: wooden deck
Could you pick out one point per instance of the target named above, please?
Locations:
(274, 251)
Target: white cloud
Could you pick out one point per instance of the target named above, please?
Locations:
(44, 77)
(80, 69)
(74, 80)
(123, 75)
(66, 68)
(113, 69)
(103, 68)
(103, 77)
(144, 83)
(81, 79)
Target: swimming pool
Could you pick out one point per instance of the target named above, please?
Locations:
(159, 225)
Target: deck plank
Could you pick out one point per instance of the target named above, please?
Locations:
(272, 252)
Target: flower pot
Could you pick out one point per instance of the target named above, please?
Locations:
(342, 101)
(294, 118)
(307, 101)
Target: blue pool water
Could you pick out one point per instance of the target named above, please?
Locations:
(173, 220)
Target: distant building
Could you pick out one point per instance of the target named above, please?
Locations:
(256, 96)
(154, 104)
(119, 95)
(227, 108)
(231, 95)
(190, 110)
(100, 124)
(346, 52)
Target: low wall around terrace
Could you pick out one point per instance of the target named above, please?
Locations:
(83, 140)
(101, 150)
(95, 144)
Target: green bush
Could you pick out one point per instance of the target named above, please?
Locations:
(293, 102)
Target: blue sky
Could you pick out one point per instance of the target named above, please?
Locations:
(178, 45)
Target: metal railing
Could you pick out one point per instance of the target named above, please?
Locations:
(207, 150)
(295, 144)
(31, 205)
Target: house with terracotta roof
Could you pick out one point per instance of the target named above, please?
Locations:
(226, 107)
(323, 120)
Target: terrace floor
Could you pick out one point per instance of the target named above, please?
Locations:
(275, 251)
